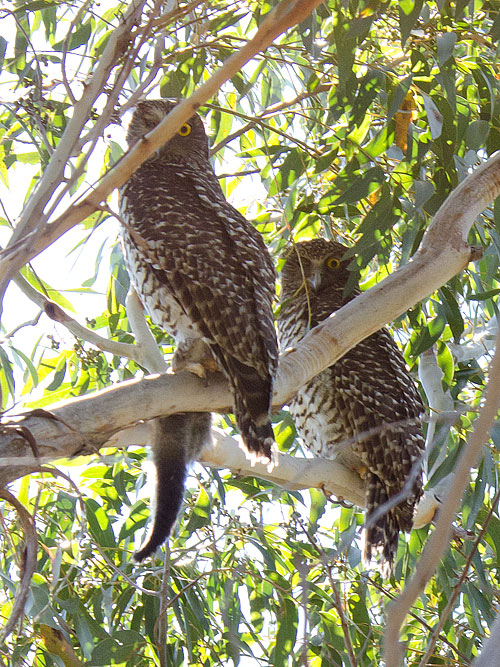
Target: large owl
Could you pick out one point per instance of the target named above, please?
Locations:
(204, 274)
(364, 410)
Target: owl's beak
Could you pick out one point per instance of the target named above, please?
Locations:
(314, 280)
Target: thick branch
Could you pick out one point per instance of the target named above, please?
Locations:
(490, 656)
(291, 472)
(95, 418)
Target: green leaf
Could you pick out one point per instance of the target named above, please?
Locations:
(35, 6)
(446, 363)
(292, 167)
(200, 516)
(445, 45)
(477, 134)
(482, 296)
(286, 633)
(399, 95)
(59, 374)
(3, 48)
(41, 286)
(452, 312)
(361, 187)
(29, 364)
(409, 12)
(368, 89)
(7, 375)
(78, 38)
(433, 116)
(495, 28)
(318, 505)
(424, 190)
(99, 524)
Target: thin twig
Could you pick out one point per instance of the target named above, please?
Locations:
(443, 616)
(28, 567)
(270, 111)
(325, 559)
(340, 611)
(29, 323)
(77, 21)
(109, 109)
(56, 313)
(32, 217)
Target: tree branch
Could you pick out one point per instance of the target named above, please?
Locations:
(440, 538)
(489, 655)
(57, 314)
(27, 567)
(84, 424)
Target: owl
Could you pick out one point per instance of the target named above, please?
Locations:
(204, 274)
(364, 410)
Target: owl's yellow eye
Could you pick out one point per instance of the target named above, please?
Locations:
(333, 263)
(184, 130)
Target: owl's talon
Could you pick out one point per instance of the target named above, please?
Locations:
(191, 367)
(195, 357)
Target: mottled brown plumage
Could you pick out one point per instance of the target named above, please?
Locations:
(202, 272)
(364, 409)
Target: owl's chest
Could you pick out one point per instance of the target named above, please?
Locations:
(319, 415)
(155, 295)
(320, 408)
(299, 315)
(167, 202)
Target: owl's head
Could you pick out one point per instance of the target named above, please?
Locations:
(316, 265)
(190, 139)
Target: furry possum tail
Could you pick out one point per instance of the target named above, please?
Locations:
(176, 442)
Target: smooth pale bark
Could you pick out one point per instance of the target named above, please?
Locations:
(83, 425)
(490, 655)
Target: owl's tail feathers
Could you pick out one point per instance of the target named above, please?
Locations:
(252, 395)
(381, 533)
(176, 442)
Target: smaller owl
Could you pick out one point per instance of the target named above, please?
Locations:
(364, 410)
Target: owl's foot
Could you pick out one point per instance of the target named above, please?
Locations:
(362, 470)
(195, 357)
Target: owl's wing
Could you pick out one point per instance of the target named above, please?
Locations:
(218, 270)
(250, 247)
(383, 399)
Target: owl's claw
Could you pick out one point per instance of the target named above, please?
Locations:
(194, 357)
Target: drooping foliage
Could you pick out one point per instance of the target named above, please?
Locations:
(356, 124)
